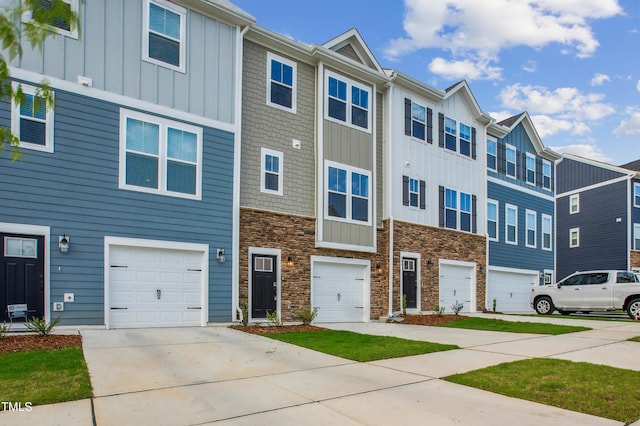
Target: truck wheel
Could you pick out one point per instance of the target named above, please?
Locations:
(544, 305)
(633, 308)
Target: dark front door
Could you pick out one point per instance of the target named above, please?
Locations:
(264, 286)
(21, 273)
(410, 282)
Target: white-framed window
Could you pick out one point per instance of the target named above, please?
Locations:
(510, 152)
(414, 192)
(271, 175)
(348, 102)
(160, 156)
(465, 140)
(348, 192)
(574, 204)
(164, 34)
(450, 208)
(59, 25)
(574, 237)
(31, 121)
(636, 194)
(458, 210)
(531, 169)
(492, 153)
(450, 134)
(21, 247)
(492, 220)
(636, 236)
(511, 224)
(281, 84)
(465, 212)
(418, 121)
(546, 174)
(532, 228)
(263, 264)
(547, 223)
(408, 264)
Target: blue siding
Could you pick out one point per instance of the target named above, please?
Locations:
(75, 192)
(573, 175)
(635, 211)
(603, 241)
(519, 256)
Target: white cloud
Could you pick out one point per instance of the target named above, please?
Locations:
(530, 66)
(630, 126)
(599, 78)
(583, 150)
(638, 86)
(457, 70)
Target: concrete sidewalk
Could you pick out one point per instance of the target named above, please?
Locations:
(216, 374)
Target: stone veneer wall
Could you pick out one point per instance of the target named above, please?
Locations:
(434, 244)
(634, 259)
(295, 237)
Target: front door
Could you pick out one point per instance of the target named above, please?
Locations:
(21, 273)
(264, 285)
(410, 282)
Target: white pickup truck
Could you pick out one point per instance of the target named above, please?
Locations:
(588, 291)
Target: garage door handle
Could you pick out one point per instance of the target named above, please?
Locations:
(119, 308)
(338, 297)
(194, 307)
(359, 307)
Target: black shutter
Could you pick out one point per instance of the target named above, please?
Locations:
(501, 154)
(423, 198)
(405, 190)
(407, 117)
(441, 130)
(474, 214)
(429, 125)
(518, 166)
(441, 206)
(539, 176)
(473, 143)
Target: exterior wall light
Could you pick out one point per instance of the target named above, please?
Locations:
(289, 261)
(220, 255)
(63, 243)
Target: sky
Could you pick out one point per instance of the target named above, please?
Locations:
(573, 65)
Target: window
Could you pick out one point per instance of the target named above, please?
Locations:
(492, 154)
(450, 132)
(636, 236)
(574, 204)
(465, 140)
(531, 169)
(164, 34)
(492, 220)
(32, 122)
(58, 24)
(408, 264)
(418, 121)
(347, 102)
(511, 224)
(531, 223)
(511, 160)
(413, 192)
(574, 237)
(451, 209)
(348, 192)
(546, 174)
(281, 87)
(263, 264)
(636, 194)
(457, 210)
(465, 212)
(624, 277)
(271, 172)
(546, 232)
(20, 247)
(160, 156)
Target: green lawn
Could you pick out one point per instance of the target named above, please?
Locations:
(635, 339)
(44, 376)
(587, 388)
(490, 324)
(358, 347)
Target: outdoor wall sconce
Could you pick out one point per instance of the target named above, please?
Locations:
(378, 267)
(63, 243)
(289, 261)
(220, 255)
(429, 263)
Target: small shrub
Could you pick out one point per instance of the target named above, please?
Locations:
(404, 304)
(244, 308)
(40, 326)
(4, 329)
(307, 315)
(439, 310)
(457, 307)
(274, 319)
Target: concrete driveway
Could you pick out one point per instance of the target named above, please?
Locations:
(189, 376)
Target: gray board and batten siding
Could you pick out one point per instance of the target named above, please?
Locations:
(574, 175)
(266, 126)
(75, 192)
(109, 51)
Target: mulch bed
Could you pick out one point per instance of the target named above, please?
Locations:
(27, 342)
(432, 320)
(264, 329)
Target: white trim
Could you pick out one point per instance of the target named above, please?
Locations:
(418, 262)
(550, 218)
(366, 297)
(263, 153)
(594, 186)
(535, 228)
(574, 200)
(349, 102)
(577, 231)
(497, 204)
(520, 188)
(635, 236)
(349, 193)
(28, 89)
(343, 246)
(75, 7)
(123, 101)
(636, 185)
(507, 162)
(267, 252)
(157, 244)
(514, 270)
(526, 167)
(182, 42)
(294, 85)
(507, 207)
(164, 124)
(39, 231)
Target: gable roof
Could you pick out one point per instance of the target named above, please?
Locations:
(462, 88)
(352, 45)
(525, 119)
(633, 165)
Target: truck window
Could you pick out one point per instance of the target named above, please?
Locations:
(598, 278)
(575, 280)
(626, 277)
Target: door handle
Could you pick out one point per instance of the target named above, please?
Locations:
(275, 284)
(454, 292)
(338, 297)
(158, 294)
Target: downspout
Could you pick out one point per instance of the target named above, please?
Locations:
(235, 267)
(388, 179)
(390, 266)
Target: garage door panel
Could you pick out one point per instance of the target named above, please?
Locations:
(511, 290)
(338, 292)
(455, 286)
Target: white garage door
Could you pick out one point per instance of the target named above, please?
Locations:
(511, 290)
(456, 283)
(338, 291)
(151, 287)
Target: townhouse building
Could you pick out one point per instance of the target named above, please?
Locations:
(598, 215)
(123, 212)
(520, 213)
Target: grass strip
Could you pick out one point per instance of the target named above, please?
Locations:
(491, 324)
